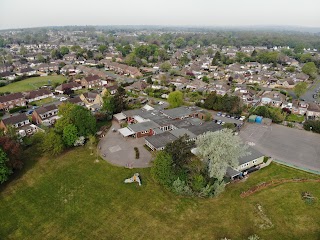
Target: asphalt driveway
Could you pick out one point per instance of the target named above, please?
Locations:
(292, 146)
(119, 150)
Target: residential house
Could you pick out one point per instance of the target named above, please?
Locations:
(76, 100)
(37, 95)
(45, 115)
(313, 111)
(137, 86)
(53, 67)
(20, 122)
(299, 108)
(28, 71)
(44, 68)
(8, 75)
(275, 99)
(91, 81)
(70, 57)
(93, 101)
(66, 86)
(12, 100)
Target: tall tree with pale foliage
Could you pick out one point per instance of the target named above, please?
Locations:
(221, 149)
(175, 99)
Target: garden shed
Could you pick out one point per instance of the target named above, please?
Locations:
(266, 121)
(252, 118)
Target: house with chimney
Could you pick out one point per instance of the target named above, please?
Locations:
(91, 81)
(12, 100)
(47, 115)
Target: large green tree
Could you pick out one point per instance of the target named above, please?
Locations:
(300, 89)
(4, 170)
(64, 50)
(78, 116)
(175, 99)
(180, 151)
(70, 135)
(310, 68)
(162, 170)
(220, 150)
(52, 144)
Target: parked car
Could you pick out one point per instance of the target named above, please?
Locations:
(63, 99)
(219, 122)
(223, 115)
(242, 118)
(219, 114)
(30, 112)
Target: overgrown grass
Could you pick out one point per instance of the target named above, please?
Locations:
(294, 118)
(32, 83)
(73, 197)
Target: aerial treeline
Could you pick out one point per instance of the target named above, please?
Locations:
(226, 103)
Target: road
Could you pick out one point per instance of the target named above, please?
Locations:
(292, 146)
(308, 96)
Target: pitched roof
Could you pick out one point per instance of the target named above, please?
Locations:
(143, 126)
(10, 97)
(15, 119)
(37, 93)
(92, 78)
(205, 127)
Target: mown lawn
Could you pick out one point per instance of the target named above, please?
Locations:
(31, 83)
(72, 197)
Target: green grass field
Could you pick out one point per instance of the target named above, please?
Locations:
(31, 83)
(72, 197)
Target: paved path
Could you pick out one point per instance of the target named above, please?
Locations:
(120, 151)
(292, 146)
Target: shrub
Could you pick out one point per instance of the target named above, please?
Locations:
(16, 109)
(313, 125)
(180, 187)
(162, 170)
(137, 152)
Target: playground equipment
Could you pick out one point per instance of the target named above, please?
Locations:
(134, 178)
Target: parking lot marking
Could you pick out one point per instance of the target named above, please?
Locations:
(114, 149)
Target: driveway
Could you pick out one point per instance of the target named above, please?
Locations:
(120, 151)
(292, 146)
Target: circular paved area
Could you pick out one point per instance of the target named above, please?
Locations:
(119, 150)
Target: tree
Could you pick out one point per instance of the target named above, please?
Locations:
(165, 67)
(64, 50)
(13, 150)
(23, 50)
(70, 135)
(299, 49)
(180, 42)
(300, 89)
(92, 142)
(230, 126)
(175, 99)
(220, 150)
(180, 151)
(78, 116)
(310, 69)
(205, 79)
(102, 48)
(52, 144)
(4, 170)
(162, 170)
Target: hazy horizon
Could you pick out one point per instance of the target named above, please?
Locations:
(201, 13)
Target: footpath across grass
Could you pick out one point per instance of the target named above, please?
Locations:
(32, 83)
(74, 197)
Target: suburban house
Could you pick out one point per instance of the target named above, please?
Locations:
(66, 86)
(20, 122)
(137, 86)
(8, 75)
(12, 100)
(76, 100)
(28, 71)
(274, 99)
(37, 95)
(93, 101)
(45, 115)
(299, 108)
(246, 164)
(112, 89)
(313, 111)
(70, 57)
(91, 81)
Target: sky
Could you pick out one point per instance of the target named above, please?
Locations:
(37, 13)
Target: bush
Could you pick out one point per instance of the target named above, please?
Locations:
(181, 188)
(162, 170)
(16, 109)
(313, 125)
(137, 152)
